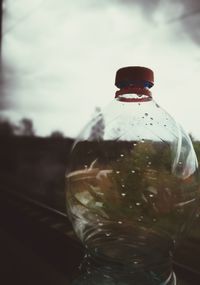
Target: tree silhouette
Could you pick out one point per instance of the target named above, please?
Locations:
(25, 127)
(57, 134)
(6, 128)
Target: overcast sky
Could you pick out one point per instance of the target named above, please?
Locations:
(60, 58)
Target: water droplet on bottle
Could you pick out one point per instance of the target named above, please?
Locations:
(149, 162)
(123, 194)
(134, 144)
(135, 262)
(165, 125)
(142, 140)
(154, 220)
(108, 234)
(151, 124)
(137, 204)
(146, 114)
(140, 219)
(151, 118)
(130, 206)
(157, 105)
(117, 171)
(132, 171)
(100, 224)
(85, 166)
(123, 185)
(120, 222)
(122, 155)
(151, 195)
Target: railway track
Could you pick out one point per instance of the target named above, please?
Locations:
(49, 233)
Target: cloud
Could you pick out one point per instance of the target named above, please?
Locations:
(182, 15)
(61, 59)
(190, 19)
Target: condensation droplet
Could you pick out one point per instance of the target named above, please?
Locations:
(122, 155)
(123, 194)
(108, 234)
(117, 171)
(157, 105)
(151, 124)
(132, 171)
(142, 140)
(135, 262)
(154, 220)
(99, 230)
(137, 204)
(130, 206)
(123, 185)
(151, 118)
(100, 224)
(165, 125)
(134, 144)
(151, 195)
(120, 222)
(146, 114)
(85, 166)
(149, 162)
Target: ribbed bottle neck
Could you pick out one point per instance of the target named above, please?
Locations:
(134, 94)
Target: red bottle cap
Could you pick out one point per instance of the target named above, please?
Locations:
(134, 75)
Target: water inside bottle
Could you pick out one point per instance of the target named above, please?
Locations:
(127, 206)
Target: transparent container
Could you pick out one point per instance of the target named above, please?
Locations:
(132, 186)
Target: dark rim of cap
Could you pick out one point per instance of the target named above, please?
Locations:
(131, 74)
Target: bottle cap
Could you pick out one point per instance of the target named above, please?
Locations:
(133, 75)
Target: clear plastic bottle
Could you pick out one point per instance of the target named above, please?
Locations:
(132, 186)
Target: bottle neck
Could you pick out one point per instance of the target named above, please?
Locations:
(133, 94)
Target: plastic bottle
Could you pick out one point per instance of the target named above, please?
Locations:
(132, 187)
